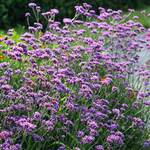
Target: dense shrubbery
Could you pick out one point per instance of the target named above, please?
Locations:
(68, 88)
(12, 11)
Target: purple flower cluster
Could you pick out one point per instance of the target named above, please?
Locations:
(116, 138)
(68, 87)
(9, 145)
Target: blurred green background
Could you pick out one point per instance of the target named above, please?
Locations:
(12, 11)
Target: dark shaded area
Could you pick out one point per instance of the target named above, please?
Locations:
(12, 11)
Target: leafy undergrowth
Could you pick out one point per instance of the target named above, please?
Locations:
(68, 87)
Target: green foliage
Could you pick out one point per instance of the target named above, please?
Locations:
(144, 19)
(12, 11)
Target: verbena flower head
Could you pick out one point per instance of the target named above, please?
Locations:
(146, 144)
(5, 135)
(115, 139)
(32, 5)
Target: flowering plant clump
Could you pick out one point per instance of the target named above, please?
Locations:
(71, 86)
